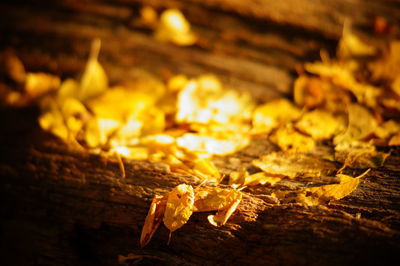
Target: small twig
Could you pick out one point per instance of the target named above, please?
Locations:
(169, 238)
(121, 165)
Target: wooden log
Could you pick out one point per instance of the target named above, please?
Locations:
(65, 206)
(62, 206)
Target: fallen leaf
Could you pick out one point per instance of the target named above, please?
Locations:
(204, 100)
(223, 216)
(315, 195)
(214, 199)
(270, 115)
(242, 178)
(395, 140)
(291, 165)
(341, 74)
(387, 129)
(351, 45)
(15, 68)
(94, 79)
(153, 218)
(173, 27)
(361, 124)
(225, 201)
(359, 155)
(207, 170)
(288, 139)
(388, 66)
(179, 207)
(37, 84)
(318, 124)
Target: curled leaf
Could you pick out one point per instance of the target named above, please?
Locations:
(223, 215)
(153, 219)
(94, 80)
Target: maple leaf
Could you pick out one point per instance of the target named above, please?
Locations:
(179, 207)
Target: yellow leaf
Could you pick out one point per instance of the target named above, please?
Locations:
(207, 170)
(94, 80)
(225, 201)
(52, 119)
(173, 27)
(291, 165)
(153, 219)
(359, 155)
(209, 145)
(387, 129)
(223, 215)
(37, 84)
(395, 140)
(351, 45)
(148, 15)
(69, 89)
(242, 178)
(121, 104)
(73, 112)
(98, 131)
(318, 124)
(205, 101)
(387, 67)
(361, 124)
(179, 207)
(268, 116)
(289, 139)
(15, 68)
(347, 185)
(214, 199)
(342, 75)
(135, 153)
(177, 82)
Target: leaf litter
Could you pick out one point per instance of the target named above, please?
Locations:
(185, 122)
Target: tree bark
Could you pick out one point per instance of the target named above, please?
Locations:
(64, 206)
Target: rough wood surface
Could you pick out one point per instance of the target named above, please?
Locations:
(62, 206)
